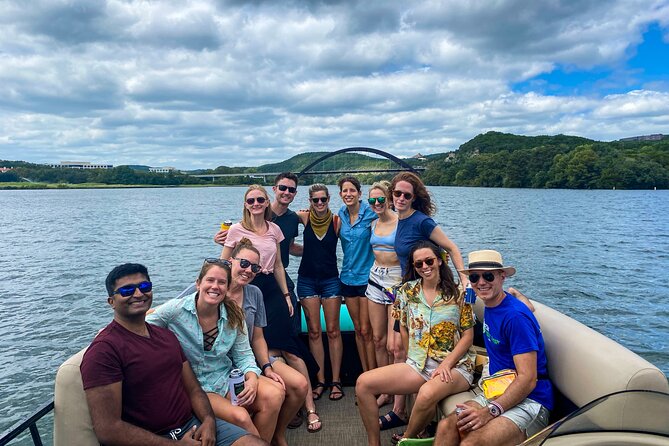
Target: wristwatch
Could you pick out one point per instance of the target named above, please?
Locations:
(494, 409)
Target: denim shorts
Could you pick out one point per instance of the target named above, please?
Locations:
(528, 415)
(353, 290)
(324, 288)
(226, 433)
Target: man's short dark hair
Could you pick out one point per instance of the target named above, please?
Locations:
(127, 269)
(289, 175)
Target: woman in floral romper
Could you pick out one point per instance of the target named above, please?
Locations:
(437, 330)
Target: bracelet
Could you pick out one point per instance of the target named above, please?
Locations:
(286, 294)
(266, 365)
(499, 406)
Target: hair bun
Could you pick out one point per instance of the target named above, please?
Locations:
(245, 242)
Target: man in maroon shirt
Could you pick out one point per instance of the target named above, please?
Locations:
(139, 386)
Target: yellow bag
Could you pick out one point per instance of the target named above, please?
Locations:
(495, 385)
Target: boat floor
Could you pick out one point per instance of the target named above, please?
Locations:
(342, 424)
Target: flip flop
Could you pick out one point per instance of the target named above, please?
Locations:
(311, 429)
(336, 392)
(391, 420)
(316, 395)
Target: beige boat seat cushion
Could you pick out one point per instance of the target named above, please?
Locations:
(72, 425)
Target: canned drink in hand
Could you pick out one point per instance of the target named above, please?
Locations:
(470, 295)
(236, 385)
(226, 225)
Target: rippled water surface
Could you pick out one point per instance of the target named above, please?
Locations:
(599, 256)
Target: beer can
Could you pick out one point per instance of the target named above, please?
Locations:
(470, 295)
(226, 225)
(236, 384)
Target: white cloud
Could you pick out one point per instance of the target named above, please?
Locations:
(202, 83)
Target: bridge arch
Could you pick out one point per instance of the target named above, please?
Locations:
(387, 155)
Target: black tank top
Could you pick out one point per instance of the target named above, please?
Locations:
(319, 257)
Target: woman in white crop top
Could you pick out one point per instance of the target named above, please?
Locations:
(385, 274)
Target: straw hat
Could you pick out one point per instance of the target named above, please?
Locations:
(487, 260)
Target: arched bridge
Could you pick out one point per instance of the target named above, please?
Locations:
(403, 164)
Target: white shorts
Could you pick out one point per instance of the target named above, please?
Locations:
(431, 365)
(385, 277)
(528, 415)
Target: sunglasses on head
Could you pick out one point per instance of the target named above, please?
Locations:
(217, 261)
(129, 290)
(260, 200)
(488, 276)
(255, 268)
(315, 200)
(373, 201)
(283, 188)
(419, 263)
(399, 193)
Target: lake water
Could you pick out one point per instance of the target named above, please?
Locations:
(599, 256)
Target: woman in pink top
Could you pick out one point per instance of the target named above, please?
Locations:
(256, 226)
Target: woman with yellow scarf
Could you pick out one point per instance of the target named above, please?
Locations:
(318, 285)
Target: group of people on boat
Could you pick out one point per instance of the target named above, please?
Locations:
(413, 329)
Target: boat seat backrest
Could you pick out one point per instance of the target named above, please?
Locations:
(72, 425)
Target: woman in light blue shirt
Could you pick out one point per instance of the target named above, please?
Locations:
(214, 336)
(356, 217)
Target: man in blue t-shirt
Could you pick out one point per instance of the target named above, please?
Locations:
(513, 340)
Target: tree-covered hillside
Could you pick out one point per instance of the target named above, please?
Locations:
(504, 160)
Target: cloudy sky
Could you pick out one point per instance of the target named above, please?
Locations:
(196, 84)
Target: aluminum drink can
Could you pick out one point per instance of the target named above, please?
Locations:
(470, 295)
(236, 384)
(226, 225)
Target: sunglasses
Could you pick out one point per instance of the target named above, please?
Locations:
(419, 263)
(255, 268)
(487, 276)
(129, 290)
(260, 200)
(373, 201)
(217, 261)
(283, 188)
(399, 193)
(315, 200)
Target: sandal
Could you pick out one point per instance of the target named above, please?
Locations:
(296, 421)
(310, 424)
(315, 394)
(390, 420)
(396, 438)
(336, 392)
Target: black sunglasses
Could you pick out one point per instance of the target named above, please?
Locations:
(419, 263)
(373, 201)
(260, 200)
(129, 290)
(283, 188)
(255, 268)
(488, 276)
(399, 193)
(217, 261)
(315, 200)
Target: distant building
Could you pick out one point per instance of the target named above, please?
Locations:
(161, 169)
(5, 169)
(80, 165)
(418, 156)
(654, 137)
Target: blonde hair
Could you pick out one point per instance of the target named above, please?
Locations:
(383, 186)
(246, 218)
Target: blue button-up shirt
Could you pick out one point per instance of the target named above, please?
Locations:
(358, 254)
(212, 367)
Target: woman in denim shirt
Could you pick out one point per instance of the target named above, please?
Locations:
(356, 219)
(213, 335)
